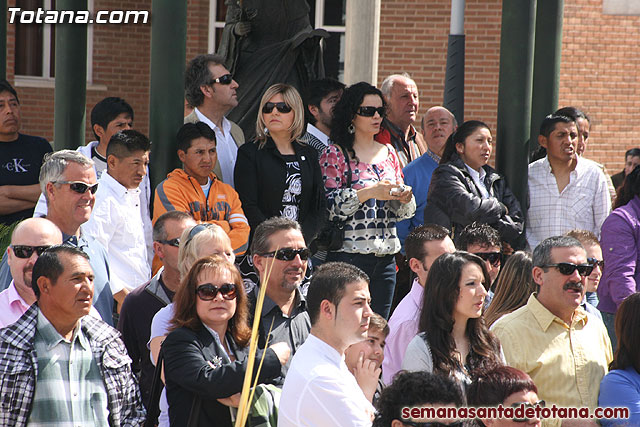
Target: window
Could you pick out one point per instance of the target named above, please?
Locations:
(327, 14)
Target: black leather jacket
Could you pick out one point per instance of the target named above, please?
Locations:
(454, 201)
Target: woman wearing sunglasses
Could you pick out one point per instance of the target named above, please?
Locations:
(206, 352)
(453, 339)
(278, 175)
(509, 387)
(621, 386)
(373, 199)
(464, 188)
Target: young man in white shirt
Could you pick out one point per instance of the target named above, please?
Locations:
(116, 220)
(319, 390)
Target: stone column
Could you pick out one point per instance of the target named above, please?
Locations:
(362, 40)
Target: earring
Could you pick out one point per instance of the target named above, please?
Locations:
(351, 129)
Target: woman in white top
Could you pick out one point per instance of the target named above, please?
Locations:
(453, 338)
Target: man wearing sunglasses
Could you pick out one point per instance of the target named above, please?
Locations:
(591, 244)
(564, 349)
(211, 90)
(20, 159)
(484, 241)
(29, 239)
(280, 257)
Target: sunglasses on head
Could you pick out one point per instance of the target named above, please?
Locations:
(24, 251)
(568, 268)
(79, 186)
(527, 405)
(223, 80)
(282, 107)
(596, 261)
(494, 258)
(195, 230)
(370, 111)
(288, 254)
(173, 242)
(432, 424)
(207, 292)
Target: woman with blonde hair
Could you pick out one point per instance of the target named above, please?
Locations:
(278, 175)
(513, 287)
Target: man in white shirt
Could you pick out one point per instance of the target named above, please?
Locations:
(116, 221)
(565, 191)
(211, 90)
(322, 96)
(319, 390)
(423, 245)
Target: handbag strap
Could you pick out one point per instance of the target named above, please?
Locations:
(346, 158)
(153, 408)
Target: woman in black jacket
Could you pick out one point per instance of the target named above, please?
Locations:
(465, 189)
(277, 175)
(205, 356)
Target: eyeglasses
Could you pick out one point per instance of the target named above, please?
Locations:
(371, 111)
(24, 251)
(207, 292)
(288, 254)
(223, 80)
(432, 424)
(596, 261)
(568, 268)
(195, 230)
(527, 405)
(282, 107)
(173, 242)
(79, 186)
(494, 258)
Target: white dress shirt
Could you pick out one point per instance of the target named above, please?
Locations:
(583, 204)
(478, 179)
(225, 147)
(116, 222)
(319, 390)
(324, 138)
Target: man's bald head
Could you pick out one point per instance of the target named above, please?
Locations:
(437, 124)
(29, 237)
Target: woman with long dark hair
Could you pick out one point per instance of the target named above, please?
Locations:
(453, 338)
(373, 199)
(620, 242)
(464, 188)
(206, 354)
(621, 386)
(513, 287)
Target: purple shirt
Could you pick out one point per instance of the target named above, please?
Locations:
(620, 238)
(12, 306)
(403, 326)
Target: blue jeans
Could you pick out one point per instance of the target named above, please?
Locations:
(382, 277)
(609, 322)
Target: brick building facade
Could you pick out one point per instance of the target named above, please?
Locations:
(599, 73)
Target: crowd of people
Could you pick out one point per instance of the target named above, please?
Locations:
(396, 266)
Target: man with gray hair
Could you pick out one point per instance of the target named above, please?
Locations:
(210, 88)
(401, 95)
(280, 257)
(68, 181)
(564, 349)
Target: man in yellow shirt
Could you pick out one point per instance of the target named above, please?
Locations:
(565, 350)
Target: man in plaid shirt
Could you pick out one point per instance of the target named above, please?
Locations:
(80, 365)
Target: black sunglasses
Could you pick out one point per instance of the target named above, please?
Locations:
(288, 254)
(223, 80)
(432, 424)
(370, 111)
(195, 230)
(596, 261)
(24, 251)
(568, 268)
(79, 186)
(207, 292)
(527, 405)
(494, 258)
(282, 107)
(173, 242)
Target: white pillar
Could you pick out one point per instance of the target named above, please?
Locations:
(362, 41)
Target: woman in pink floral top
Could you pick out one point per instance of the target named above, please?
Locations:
(376, 199)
